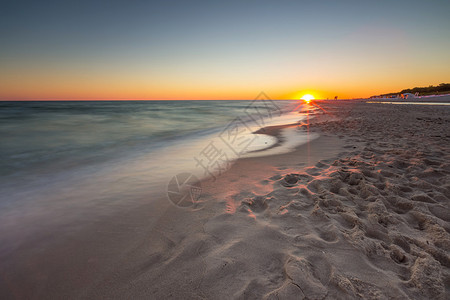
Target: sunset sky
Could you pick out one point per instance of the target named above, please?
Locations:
(134, 49)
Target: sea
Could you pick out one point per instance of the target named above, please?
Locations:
(64, 162)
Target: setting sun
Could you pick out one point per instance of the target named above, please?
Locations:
(307, 97)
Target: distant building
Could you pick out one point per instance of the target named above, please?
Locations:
(409, 95)
(384, 96)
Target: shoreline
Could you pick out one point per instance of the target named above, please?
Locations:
(134, 229)
(358, 212)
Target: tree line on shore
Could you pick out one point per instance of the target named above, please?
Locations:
(443, 88)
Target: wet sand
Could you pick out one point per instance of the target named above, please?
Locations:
(361, 212)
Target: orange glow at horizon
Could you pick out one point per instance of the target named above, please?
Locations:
(60, 53)
(100, 86)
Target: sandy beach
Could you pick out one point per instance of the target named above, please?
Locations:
(363, 212)
(225, 150)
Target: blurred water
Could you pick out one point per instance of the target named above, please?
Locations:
(82, 132)
(64, 162)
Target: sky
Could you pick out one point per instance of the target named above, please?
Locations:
(131, 49)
